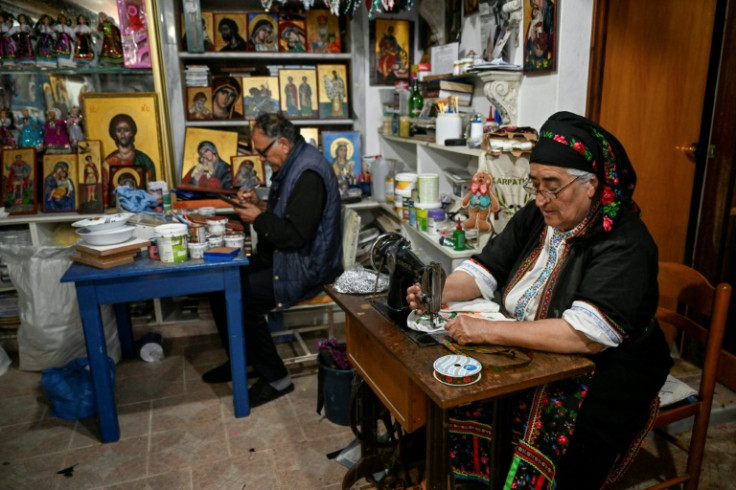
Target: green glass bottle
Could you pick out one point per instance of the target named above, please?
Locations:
(416, 100)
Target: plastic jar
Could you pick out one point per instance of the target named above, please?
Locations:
(216, 225)
(196, 250)
(172, 242)
(235, 239)
(215, 241)
(435, 221)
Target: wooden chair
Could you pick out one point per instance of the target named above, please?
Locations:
(689, 306)
(321, 300)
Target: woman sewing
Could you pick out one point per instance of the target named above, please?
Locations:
(577, 270)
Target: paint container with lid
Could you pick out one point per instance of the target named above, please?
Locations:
(151, 347)
(172, 242)
(235, 239)
(216, 225)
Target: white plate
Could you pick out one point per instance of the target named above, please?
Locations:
(106, 237)
(103, 222)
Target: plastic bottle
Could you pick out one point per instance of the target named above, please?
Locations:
(389, 183)
(379, 171)
(458, 236)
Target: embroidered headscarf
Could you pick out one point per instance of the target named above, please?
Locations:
(571, 141)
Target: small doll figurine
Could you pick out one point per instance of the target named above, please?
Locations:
(6, 124)
(64, 43)
(31, 133)
(74, 127)
(112, 46)
(45, 40)
(83, 52)
(21, 35)
(7, 45)
(55, 134)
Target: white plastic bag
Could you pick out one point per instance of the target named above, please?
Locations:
(50, 332)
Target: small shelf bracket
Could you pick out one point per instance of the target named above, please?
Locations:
(501, 88)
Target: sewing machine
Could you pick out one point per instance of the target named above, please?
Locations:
(391, 253)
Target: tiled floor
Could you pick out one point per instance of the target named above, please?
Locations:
(179, 433)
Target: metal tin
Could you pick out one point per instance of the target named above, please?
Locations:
(153, 249)
(197, 233)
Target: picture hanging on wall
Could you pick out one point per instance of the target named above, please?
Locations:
(127, 124)
(540, 41)
(89, 171)
(261, 95)
(207, 154)
(231, 31)
(19, 180)
(310, 135)
(248, 171)
(333, 91)
(391, 53)
(298, 93)
(342, 150)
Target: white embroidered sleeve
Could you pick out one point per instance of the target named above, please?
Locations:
(584, 318)
(484, 279)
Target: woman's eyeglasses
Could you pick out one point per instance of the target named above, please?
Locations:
(264, 151)
(547, 194)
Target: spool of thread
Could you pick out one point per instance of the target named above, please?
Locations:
(429, 188)
(447, 127)
(456, 370)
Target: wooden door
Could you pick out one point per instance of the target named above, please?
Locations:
(648, 81)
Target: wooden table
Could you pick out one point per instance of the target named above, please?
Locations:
(148, 279)
(400, 373)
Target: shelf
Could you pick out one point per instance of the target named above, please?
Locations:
(24, 219)
(75, 71)
(270, 57)
(245, 122)
(476, 152)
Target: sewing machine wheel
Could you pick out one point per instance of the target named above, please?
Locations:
(380, 247)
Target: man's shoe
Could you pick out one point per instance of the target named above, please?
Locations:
(220, 374)
(262, 392)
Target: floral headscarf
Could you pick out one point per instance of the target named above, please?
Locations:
(571, 141)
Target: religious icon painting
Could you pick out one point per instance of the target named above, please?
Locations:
(131, 176)
(323, 32)
(248, 171)
(333, 91)
(391, 48)
(19, 180)
(263, 32)
(59, 183)
(540, 41)
(292, 34)
(310, 135)
(342, 150)
(197, 28)
(298, 93)
(199, 103)
(231, 31)
(89, 177)
(207, 156)
(260, 95)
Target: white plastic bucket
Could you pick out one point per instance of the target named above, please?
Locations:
(172, 242)
(405, 183)
(428, 186)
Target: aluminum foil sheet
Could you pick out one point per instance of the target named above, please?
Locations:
(359, 280)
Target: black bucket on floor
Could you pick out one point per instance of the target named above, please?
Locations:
(334, 387)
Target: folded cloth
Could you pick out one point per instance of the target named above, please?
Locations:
(478, 305)
(135, 200)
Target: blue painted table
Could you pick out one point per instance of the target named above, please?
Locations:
(147, 279)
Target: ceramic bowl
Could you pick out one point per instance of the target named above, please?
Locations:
(105, 222)
(109, 236)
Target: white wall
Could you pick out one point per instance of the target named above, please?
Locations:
(539, 95)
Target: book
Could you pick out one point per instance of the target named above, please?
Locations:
(221, 254)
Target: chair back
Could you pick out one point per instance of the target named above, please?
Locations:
(691, 309)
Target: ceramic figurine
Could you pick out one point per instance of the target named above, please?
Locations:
(54, 131)
(31, 133)
(83, 52)
(6, 123)
(45, 40)
(74, 126)
(112, 46)
(21, 35)
(6, 41)
(64, 43)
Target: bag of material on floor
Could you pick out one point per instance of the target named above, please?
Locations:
(70, 390)
(50, 332)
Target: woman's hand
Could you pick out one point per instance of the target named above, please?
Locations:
(413, 295)
(249, 212)
(465, 329)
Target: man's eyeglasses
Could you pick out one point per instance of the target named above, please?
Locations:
(547, 194)
(264, 151)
